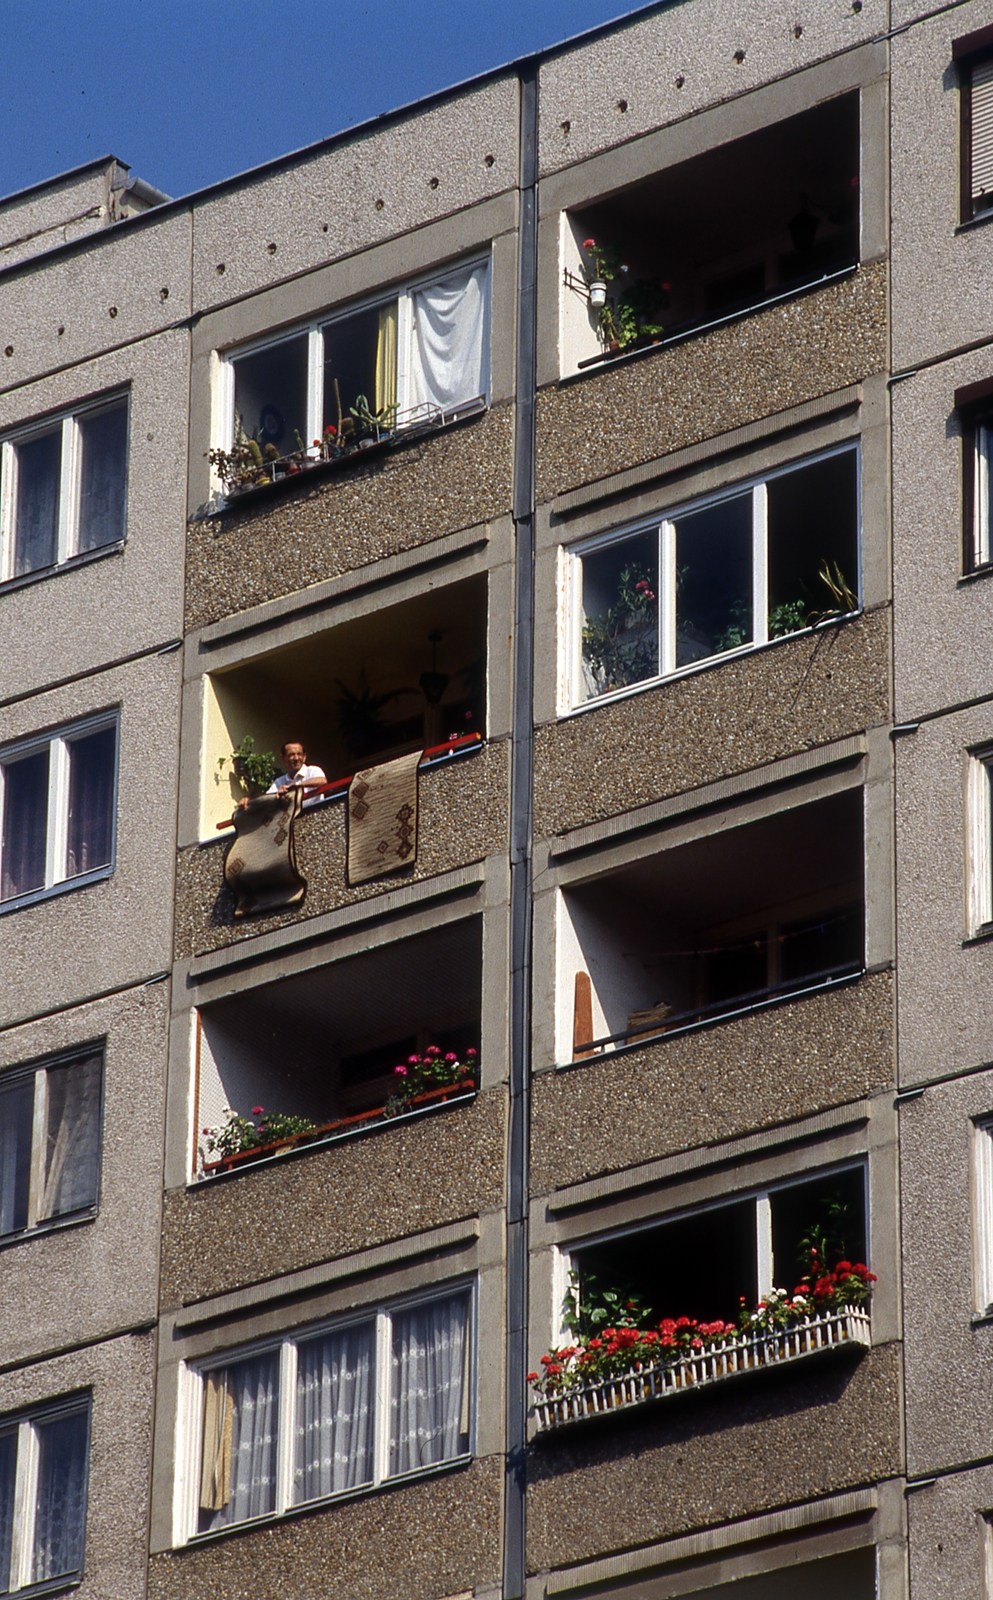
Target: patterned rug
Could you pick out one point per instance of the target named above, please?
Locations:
(382, 819)
(261, 866)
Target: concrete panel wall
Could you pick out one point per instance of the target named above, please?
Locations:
(86, 1281)
(120, 1373)
(107, 293)
(87, 941)
(131, 600)
(946, 983)
(356, 194)
(678, 61)
(705, 1086)
(949, 1536)
(930, 257)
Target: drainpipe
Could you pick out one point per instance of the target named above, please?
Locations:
(515, 1482)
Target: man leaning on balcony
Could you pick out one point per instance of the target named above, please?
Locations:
(297, 772)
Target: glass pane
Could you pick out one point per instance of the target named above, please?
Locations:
(334, 1413)
(91, 801)
(429, 1392)
(813, 543)
(36, 513)
(60, 1525)
(238, 1474)
(8, 1470)
(822, 944)
(270, 394)
(16, 1117)
(103, 477)
(714, 580)
(359, 361)
(25, 825)
(620, 615)
(72, 1144)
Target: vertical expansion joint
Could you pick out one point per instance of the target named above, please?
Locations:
(515, 1481)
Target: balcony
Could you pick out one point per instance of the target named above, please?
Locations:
(713, 238)
(311, 1059)
(712, 929)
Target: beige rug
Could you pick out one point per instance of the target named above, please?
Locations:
(382, 819)
(261, 866)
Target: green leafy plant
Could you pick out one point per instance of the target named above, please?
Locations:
(789, 617)
(240, 1133)
(368, 422)
(621, 646)
(257, 769)
(592, 1304)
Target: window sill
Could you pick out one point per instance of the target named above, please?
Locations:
(977, 221)
(982, 935)
(61, 1585)
(56, 1225)
(73, 563)
(21, 901)
(361, 1492)
(373, 1121)
(694, 330)
(613, 695)
(312, 472)
(985, 571)
(815, 1336)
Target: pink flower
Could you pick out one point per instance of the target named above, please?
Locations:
(413, 1061)
(451, 1056)
(402, 1071)
(257, 1111)
(589, 244)
(432, 1050)
(471, 1053)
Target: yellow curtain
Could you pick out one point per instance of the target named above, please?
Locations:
(386, 360)
(218, 1423)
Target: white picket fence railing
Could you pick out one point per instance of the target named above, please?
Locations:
(741, 1353)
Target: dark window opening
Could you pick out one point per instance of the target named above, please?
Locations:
(270, 395)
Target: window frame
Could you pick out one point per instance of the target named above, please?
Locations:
(974, 405)
(979, 845)
(663, 523)
(193, 1374)
(70, 485)
(223, 429)
(25, 1509)
(57, 742)
(968, 53)
(761, 1193)
(38, 1069)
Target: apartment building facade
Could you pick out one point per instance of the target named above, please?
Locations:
(594, 459)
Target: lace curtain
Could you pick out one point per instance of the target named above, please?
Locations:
(61, 1507)
(91, 801)
(334, 1413)
(238, 1477)
(72, 1149)
(429, 1399)
(449, 339)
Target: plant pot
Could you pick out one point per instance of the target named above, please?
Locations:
(598, 293)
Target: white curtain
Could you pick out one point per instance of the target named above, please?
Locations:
(61, 1519)
(429, 1401)
(8, 1473)
(91, 801)
(72, 1154)
(333, 1416)
(247, 1395)
(448, 342)
(16, 1117)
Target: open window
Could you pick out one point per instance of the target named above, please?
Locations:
(713, 236)
(355, 378)
(403, 678)
(718, 575)
(713, 927)
(323, 1046)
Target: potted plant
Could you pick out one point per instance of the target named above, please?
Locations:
(633, 317)
(421, 1077)
(241, 1137)
(256, 769)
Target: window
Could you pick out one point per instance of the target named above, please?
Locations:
(702, 1264)
(57, 803)
(974, 404)
(418, 354)
(49, 1141)
(980, 842)
(974, 57)
(43, 1470)
(326, 1412)
(64, 488)
(754, 564)
(983, 1211)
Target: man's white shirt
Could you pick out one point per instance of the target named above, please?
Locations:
(305, 775)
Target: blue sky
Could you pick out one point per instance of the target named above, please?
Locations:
(190, 91)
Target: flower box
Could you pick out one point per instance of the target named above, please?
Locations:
(328, 1130)
(727, 1359)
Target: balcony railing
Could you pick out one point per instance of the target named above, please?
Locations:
(729, 1358)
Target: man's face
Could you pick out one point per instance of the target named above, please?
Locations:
(294, 757)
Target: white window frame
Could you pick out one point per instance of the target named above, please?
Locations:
(979, 534)
(190, 1413)
(69, 484)
(979, 842)
(56, 851)
(39, 1070)
(26, 1492)
(224, 376)
(571, 577)
(762, 1197)
(982, 1209)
